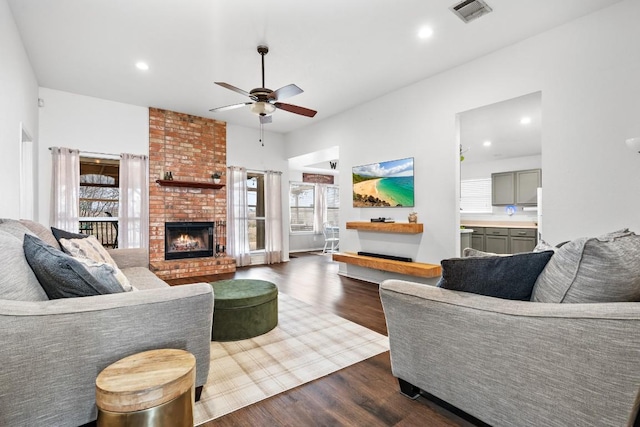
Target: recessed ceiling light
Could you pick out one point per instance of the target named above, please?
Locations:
(425, 32)
(142, 66)
(487, 143)
(525, 120)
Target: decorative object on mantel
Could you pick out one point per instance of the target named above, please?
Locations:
(413, 217)
(168, 176)
(216, 178)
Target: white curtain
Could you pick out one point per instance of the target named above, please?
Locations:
(65, 189)
(319, 207)
(133, 215)
(273, 217)
(237, 216)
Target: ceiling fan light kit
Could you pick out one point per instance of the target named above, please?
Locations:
(266, 101)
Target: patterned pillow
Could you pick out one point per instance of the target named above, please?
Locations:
(17, 281)
(589, 270)
(509, 277)
(61, 275)
(89, 248)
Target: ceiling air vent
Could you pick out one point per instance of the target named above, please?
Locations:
(468, 10)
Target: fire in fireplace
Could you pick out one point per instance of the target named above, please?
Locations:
(188, 240)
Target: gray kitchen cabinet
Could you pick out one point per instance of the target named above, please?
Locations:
(477, 238)
(465, 241)
(496, 244)
(527, 183)
(502, 188)
(496, 240)
(516, 187)
(522, 240)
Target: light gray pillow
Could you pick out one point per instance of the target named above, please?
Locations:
(17, 281)
(62, 276)
(590, 270)
(42, 232)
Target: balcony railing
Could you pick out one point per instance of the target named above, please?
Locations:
(104, 229)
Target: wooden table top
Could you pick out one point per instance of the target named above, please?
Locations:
(145, 380)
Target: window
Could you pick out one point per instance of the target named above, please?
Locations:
(333, 204)
(301, 206)
(99, 199)
(255, 202)
(475, 196)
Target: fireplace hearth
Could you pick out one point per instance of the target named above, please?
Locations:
(188, 240)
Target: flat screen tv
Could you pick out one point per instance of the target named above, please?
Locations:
(384, 184)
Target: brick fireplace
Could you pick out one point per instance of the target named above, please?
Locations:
(191, 148)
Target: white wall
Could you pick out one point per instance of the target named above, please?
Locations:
(88, 124)
(587, 71)
(18, 104)
(244, 149)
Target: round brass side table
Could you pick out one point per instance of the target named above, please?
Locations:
(150, 389)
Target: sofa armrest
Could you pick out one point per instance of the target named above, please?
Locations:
(130, 257)
(516, 362)
(52, 351)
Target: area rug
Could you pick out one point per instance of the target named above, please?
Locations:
(307, 344)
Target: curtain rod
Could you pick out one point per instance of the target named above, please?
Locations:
(95, 153)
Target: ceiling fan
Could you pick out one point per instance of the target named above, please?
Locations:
(264, 102)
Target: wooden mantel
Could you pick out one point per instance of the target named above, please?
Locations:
(418, 269)
(190, 184)
(386, 227)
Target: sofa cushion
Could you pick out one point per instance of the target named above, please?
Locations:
(14, 228)
(510, 276)
(141, 278)
(62, 276)
(44, 233)
(88, 247)
(17, 281)
(63, 234)
(586, 270)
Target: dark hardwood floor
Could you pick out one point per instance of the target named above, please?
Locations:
(364, 394)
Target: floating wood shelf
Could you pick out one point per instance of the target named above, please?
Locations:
(190, 184)
(409, 268)
(386, 227)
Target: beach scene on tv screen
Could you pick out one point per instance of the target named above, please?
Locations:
(384, 184)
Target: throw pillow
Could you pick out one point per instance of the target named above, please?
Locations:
(88, 247)
(589, 270)
(62, 234)
(44, 233)
(106, 272)
(509, 277)
(17, 281)
(470, 252)
(62, 276)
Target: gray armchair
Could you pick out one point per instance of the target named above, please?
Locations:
(514, 362)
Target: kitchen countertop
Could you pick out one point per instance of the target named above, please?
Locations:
(499, 224)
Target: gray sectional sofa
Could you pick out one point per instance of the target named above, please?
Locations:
(52, 350)
(561, 359)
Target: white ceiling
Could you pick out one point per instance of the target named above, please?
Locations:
(342, 53)
(500, 124)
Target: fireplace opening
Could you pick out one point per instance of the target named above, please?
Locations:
(188, 240)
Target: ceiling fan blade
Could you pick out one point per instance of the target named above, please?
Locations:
(230, 107)
(266, 119)
(286, 92)
(295, 109)
(236, 89)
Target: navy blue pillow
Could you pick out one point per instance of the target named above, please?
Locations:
(509, 277)
(62, 276)
(62, 234)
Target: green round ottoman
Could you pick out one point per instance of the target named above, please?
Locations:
(243, 308)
